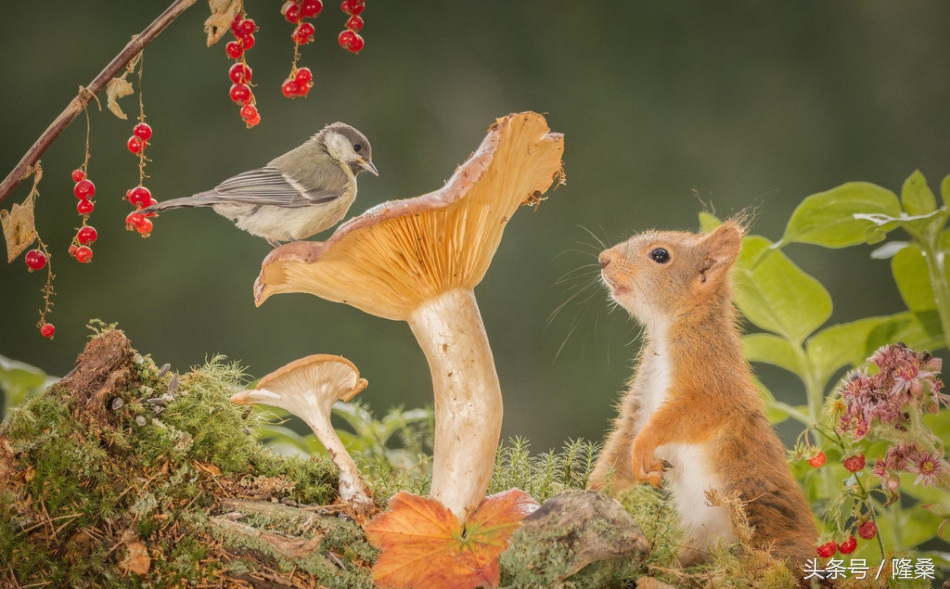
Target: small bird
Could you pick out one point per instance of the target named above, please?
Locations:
(303, 192)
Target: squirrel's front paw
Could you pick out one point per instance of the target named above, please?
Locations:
(646, 468)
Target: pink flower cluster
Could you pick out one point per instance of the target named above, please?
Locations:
(929, 466)
(887, 403)
(907, 381)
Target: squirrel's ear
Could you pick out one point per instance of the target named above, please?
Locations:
(721, 249)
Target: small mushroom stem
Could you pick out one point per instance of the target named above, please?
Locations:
(468, 404)
(350, 487)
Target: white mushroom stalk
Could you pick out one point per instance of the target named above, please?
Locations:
(419, 260)
(308, 388)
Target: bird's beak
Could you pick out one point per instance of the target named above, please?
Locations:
(368, 166)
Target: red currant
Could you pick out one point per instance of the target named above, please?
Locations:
(304, 76)
(84, 206)
(346, 38)
(353, 7)
(35, 260)
(144, 228)
(247, 27)
(234, 49)
(240, 73)
(87, 234)
(351, 41)
(138, 222)
(78, 175)
(248, 111)
(84, 189)
(236, 25)
(291, 88)
(142, 130)
(250, 115)
(139, 196)
(310, 8)
(83, 254)
(848, 546)
(47, 330)
(240, 93)
(247, 42)
(867, 530)
(354, 23)
(291, 11)
(136, 144)
(303, 34)
(818, 460)
(828, 549)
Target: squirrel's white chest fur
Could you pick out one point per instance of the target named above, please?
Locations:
(690, 474)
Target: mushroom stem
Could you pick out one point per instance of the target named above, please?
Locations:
(350, 485)
(468, 404)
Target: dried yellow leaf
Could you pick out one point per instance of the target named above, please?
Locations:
(222, 13)
(117, 88)
(19, 229)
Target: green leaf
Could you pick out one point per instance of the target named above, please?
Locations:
(775, 294)
(912, 278)
(945, 189)
(920, 331)
(828, 218)
(774, 350)
(845, 344)
(708, 222)
(916, 196)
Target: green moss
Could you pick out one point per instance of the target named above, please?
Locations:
(148, 466)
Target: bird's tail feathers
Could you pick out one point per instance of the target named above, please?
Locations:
(202, 199)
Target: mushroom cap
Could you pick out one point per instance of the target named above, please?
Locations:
(309, 384)
(400, 253)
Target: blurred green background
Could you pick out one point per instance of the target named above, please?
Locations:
(667, 108)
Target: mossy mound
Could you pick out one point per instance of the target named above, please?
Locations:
(123, 474)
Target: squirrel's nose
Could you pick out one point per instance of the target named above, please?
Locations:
(604, 259)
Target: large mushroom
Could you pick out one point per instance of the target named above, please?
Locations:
(308, 388)
(418, 260)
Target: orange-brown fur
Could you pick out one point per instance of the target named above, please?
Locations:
(692, 414)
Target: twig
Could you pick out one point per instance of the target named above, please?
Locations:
(85, 94)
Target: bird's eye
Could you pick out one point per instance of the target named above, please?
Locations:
(357, 148)
(660, 255)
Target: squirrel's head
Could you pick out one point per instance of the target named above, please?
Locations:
(658, 275)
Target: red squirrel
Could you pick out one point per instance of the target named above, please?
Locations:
(692, 414)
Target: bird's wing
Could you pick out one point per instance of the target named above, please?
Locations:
(270, 186)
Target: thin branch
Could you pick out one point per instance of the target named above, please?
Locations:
(85, 94)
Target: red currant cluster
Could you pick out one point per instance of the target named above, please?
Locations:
(296, 12)
(141, 133)
(240, 74)
(299, 82)
(84, 191)
(350, 38)
(140, 197)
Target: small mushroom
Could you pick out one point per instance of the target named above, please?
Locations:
(418, 260)
(308, 388)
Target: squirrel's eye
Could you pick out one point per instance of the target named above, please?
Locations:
(357, 148)
(660, 255)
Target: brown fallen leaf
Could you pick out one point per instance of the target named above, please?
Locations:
(117, 88)
(19, 230)
(222, 13)
(425, 547)
(137, 559)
